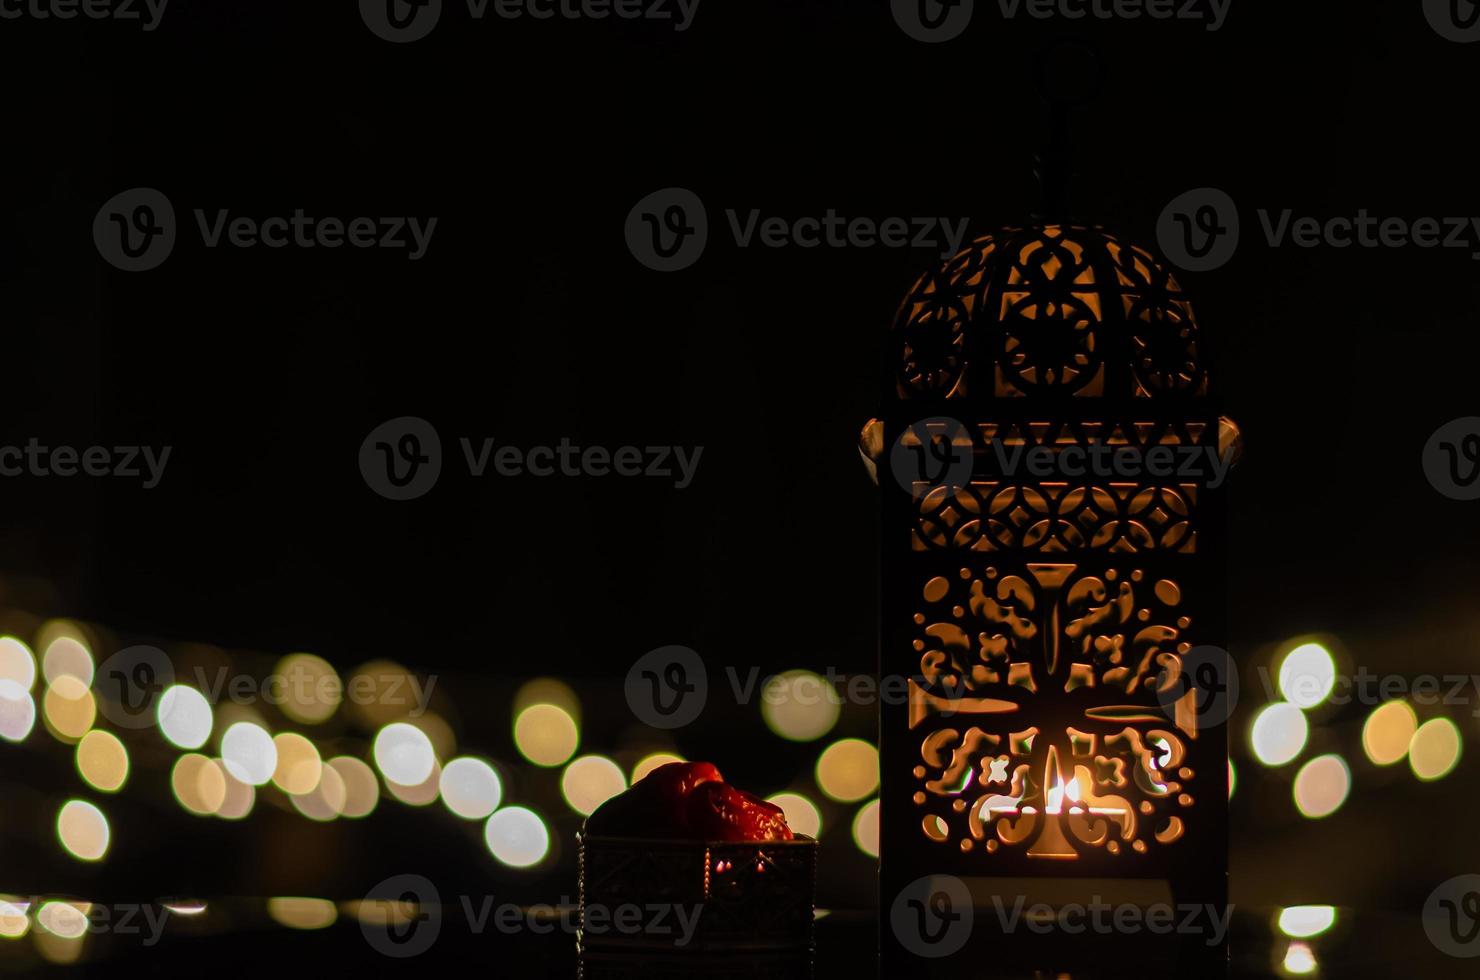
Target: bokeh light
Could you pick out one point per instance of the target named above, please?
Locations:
(69, 708)
(83, 830)
(800, 705)
(302, 913)
(404, 754)
(14, 922)
(546, 734)
(199, 784)
(298, 764)
(361, 790)
(1435, 749)
(17, 711)
(848, 770)
(471, 788)
(1300, 960)
(249, 753)
(239, 797)
(1232, 779)
(590, 781)
(1304, 921)
(326, 800)
(802, 815)
(311, 689)
(548, 690)
(1322, 786)
(1307, 675)
(383, 692)
(1387, 732)
(17, 663)
(67, 656)
(102, 761)
(66, 920)
(650, 762)
(516, 836)
(866, 829)
(184, 716)
(1279, 733)
(424, 793)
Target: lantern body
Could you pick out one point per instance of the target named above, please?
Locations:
(1047, 581)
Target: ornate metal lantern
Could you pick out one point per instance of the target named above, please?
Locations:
(1052, 563)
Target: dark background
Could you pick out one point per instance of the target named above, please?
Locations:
(529, 321)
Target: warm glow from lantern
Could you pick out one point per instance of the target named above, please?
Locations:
(1435, 749)
(802, 815)
(800, 705)
(546, 734)
(590, 781)
(1387, 732)
(1279, 733)
(1322, 785)
(848, 770)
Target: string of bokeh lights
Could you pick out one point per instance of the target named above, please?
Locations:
(411, 757)
(406, 757)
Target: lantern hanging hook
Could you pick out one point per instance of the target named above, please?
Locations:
(1068, 75)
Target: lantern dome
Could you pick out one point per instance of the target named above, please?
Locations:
(1053, 310)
